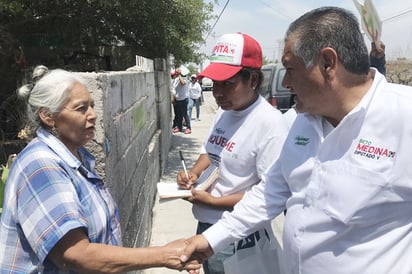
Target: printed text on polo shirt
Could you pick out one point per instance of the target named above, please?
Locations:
(366, 149)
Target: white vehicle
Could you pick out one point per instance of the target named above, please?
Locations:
(207, 84)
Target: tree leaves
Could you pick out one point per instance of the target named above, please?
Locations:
(151, 28)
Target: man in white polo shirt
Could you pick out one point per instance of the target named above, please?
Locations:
(343, 174)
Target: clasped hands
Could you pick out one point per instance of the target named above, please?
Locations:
(191, 252)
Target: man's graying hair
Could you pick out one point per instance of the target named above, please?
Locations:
(330, 27)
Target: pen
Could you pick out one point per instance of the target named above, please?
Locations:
(183, 164)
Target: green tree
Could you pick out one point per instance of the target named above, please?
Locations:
(62, 32)
(92, 35)
(192, 70)
(168, 27)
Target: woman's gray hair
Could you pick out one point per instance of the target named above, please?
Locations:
(48, 90)
(331, 27)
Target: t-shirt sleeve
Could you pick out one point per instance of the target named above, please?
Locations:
(270, 145)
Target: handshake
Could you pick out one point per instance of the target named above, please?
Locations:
(185, 254)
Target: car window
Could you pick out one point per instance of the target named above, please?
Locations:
(264, 87)
(279, 86)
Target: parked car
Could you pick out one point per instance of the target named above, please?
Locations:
(207, 84)
(272, 89)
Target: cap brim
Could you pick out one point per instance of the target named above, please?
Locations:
(219, 71)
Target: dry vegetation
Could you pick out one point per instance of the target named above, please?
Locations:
(399, 71)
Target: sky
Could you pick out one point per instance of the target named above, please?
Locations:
(268, 20)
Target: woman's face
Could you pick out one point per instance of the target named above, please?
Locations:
(75, 124)
(235, 93)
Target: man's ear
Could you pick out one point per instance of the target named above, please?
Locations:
(46, 117)
(328, 61)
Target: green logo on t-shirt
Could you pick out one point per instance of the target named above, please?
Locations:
(302, 141)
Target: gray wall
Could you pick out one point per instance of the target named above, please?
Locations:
(132, 139)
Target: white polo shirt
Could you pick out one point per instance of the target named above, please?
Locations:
(348, 193)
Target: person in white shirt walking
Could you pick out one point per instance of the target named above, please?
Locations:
(195, 93)
(343, 174)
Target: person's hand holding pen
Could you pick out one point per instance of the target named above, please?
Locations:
(186, 181)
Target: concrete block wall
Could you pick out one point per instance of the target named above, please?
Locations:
(132, 141)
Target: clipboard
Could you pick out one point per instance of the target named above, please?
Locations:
(170, 190)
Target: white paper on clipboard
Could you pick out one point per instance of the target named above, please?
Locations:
(167, 190)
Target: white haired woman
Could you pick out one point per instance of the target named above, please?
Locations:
(58, 216)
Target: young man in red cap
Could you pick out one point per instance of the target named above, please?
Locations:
(246, 136)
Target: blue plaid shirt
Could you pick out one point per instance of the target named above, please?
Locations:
(48, 193)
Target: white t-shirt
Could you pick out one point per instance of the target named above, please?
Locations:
(242, 144)
(348, 191)
(195, 90)
(182, 91)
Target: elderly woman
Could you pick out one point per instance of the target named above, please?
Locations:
(58, 216)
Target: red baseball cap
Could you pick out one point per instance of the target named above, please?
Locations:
(231, 53)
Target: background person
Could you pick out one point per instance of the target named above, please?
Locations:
(173, 76)
(377, 57)
(182, 99)
(58, 215)
(195, 97)
(343, 172)
(246, 136)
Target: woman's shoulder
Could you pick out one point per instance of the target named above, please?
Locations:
(38, 153)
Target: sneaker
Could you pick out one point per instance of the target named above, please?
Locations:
(176, 130)
(188, 131)
(197, 119)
